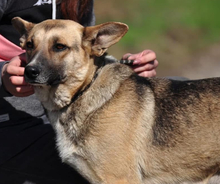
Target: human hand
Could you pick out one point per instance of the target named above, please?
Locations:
(145, 63)
(13, 77)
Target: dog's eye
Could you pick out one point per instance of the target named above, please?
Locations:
(29, 45)
(59, 47)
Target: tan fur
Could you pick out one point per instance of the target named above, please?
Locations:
(113, 126)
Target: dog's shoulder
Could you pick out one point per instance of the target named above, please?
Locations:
(110, 70)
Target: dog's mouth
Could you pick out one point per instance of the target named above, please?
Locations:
(57, 80)
(36, 77)
(49, 82)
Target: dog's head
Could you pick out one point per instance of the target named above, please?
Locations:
(61, 49)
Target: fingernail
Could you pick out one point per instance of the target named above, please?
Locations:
(128, 56)
(136, 61)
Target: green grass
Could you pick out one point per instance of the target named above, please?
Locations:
(176, 30)
(149, 20)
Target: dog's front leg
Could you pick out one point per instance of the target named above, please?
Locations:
(122, 182)
(119, 181)
(125, 180)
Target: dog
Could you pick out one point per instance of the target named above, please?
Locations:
(113, 126)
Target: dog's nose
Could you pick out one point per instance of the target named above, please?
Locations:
(31, 72)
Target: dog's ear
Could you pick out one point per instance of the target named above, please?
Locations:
(23, 27)
(101, 37)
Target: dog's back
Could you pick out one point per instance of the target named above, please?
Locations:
(185, 135)
(168, 130)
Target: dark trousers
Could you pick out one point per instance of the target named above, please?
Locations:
(28, 155)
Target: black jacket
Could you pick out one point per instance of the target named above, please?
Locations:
(33, 11)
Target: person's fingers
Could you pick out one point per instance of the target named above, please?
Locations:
(145, 67)
(15, 70)
(22, 91)
(13, 77)
(16, 61)
(18, 80)
(144, 63)
(142, 58)
(126, 56)
(151, 73)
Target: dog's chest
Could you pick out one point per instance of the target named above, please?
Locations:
(67, 147)
(71, 152)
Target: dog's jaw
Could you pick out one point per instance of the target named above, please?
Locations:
(58, 100)
(56, 97)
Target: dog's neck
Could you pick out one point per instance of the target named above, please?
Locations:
(99, 62)
(86, 86)
(99, 91)
(56, 98)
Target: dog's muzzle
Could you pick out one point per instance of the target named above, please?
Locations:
(31, 73)
(35, 75)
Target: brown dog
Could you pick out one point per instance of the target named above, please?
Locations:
(112, 125)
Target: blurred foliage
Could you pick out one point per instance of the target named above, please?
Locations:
(178, 31)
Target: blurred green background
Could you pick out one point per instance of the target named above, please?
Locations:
(184, 34)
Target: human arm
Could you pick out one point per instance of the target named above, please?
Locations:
(12, 78)
(11, 72)
(145, 63)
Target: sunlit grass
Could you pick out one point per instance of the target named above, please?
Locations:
(180, 32)
(153, 19)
